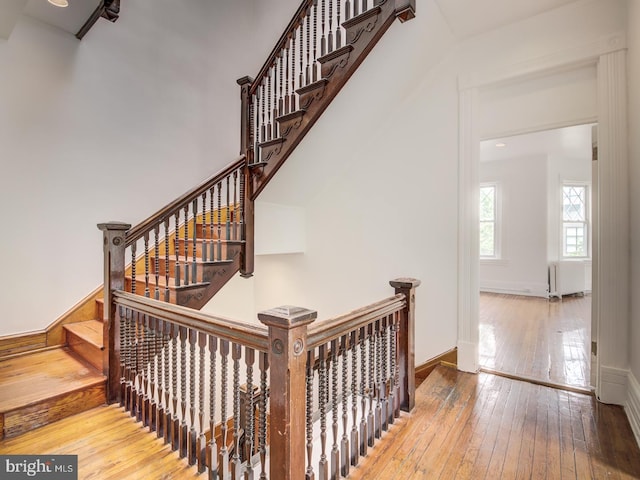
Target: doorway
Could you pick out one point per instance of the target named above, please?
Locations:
(535, 263)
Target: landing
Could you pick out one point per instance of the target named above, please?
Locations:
(480, 426)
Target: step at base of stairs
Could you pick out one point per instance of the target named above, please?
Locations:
(85, 338)
(44, 387)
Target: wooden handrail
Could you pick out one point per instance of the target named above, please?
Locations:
(280, 44)
(139, 230)
(323, 332)
(252, 336)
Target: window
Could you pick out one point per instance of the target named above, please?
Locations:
(488, 221)
(575, 227)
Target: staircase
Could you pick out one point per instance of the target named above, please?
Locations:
(187, 251)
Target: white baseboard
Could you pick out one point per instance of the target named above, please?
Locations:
(613, 385)
(468, 357)
(632, 407)
(515, 288)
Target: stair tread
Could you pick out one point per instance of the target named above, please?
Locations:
(29, 379)
(162, 281)
(90, 331)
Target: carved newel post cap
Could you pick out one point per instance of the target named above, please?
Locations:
(244, 80)
(287, 316)
(114, 226)
(403, 283)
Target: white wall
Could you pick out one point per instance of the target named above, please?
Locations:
(633, 39)
(108, 128)
(522, 193)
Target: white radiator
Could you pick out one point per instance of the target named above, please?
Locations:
(566, 278)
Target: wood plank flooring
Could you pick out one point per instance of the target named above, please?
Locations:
(484, 426)
(464, 426)
(536, 338)
(110, 445)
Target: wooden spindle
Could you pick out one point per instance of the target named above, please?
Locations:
(292, 77)
(236, 461)
(286, 107)
(201, 446)
(175, 420)
(385, 367)
(192, 438)
(194, 243)
(228, 211)
(323, 467)
(354, 398)
(133, 267)
(262, 429)
(315, 41)
(330, 46)
(163, 380)
(335, 451)
(301, 61)
(309, 475)
(183, 430)
(156, 258)
(219, 243)
(323, 39)
(347, 9)
(377, 385)
(168, 347)
(344, 443)
(211, 224)
(205, 253)
(224, 451)
(176, 247)
(151, 380)
(241, 205)
(365, 5)
(146, 265)
(235, 206)
(364, 431)
(338, 26)
(124, 347)
(212, 447)
(307, 77)
(370, 419)
(280, 61)
(166, 260)
(250, 426)
(270, 118)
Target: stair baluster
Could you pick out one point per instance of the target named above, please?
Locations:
(335, 452)
(175, 419)
(156, 255)
(146, 265)
(370, 386)
(309, 475)
(323, 467)
(263, 365)
(364, 431)
(201, 446)
(377, 384)
(219, 243)
(212, 446)
(224, 451)
(236, 462)
(192, 436)
(186, 244)
(344, 444)
(354, 398)
(194, 243)
(385, 379)
(249, 427)
(211, 224)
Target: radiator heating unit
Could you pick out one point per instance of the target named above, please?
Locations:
(566, 278)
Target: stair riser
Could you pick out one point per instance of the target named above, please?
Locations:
(50, 410)
(220, 251)
(91, 353)
(225, 233)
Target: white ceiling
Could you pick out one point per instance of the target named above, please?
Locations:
(471, 17)
(69, 19)
(568, 142)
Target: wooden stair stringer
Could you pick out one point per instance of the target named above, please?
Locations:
(365, 31)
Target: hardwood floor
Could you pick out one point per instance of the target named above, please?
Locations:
(484, 426)
(109, 445)
(536, 338)
(464, 426)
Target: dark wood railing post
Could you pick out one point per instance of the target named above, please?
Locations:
(287, 369)
(406, 342)
(405, 9)
(246, 149)
(114, 265)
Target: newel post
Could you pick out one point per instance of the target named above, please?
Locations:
(405, 10)
(114, 245)
(406, 342)
(246, 149)
(287, 365)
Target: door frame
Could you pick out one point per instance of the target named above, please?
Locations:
(608, 55)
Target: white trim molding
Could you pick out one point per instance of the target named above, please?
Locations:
(632, 407)
(613, 385)
(611, 314)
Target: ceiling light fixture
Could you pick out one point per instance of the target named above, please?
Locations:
(59, 3)
(500, 144)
